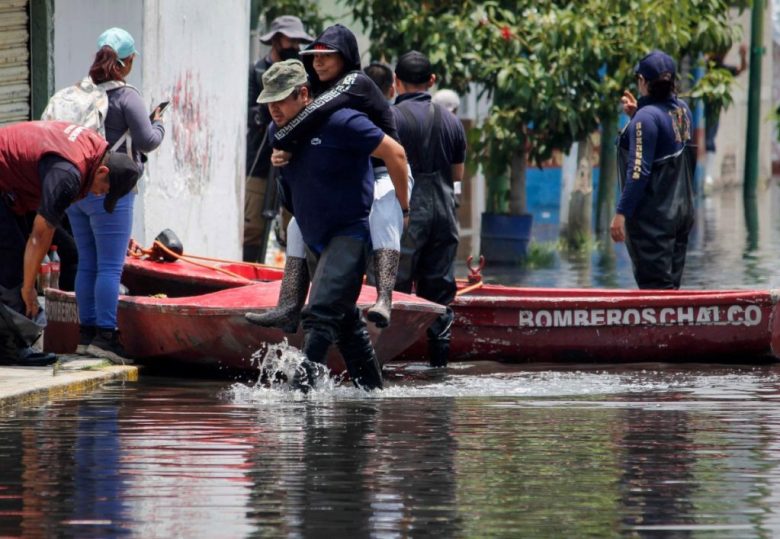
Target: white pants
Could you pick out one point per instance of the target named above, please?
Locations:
(386, 221)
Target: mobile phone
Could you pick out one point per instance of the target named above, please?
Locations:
(162, 106)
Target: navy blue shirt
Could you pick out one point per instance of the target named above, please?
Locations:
(451, 149)
(329, 184)
(659, 129)
(60, 185)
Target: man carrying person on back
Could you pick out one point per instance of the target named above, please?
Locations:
(44, 168)
(285, 37)
(328, 186)
(435, 144)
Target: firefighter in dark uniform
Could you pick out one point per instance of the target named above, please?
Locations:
(435, 144)
(284, 37)
(655, 165)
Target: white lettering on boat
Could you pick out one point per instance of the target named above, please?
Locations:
(62, 311)
(714, 315)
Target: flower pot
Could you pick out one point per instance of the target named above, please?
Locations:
(504, 238)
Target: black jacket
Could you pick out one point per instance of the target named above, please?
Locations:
(257, 123)
(352, 90)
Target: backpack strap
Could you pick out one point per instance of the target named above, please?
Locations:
(115, 85)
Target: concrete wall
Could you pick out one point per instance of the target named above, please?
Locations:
(77, 25)
(195, 183)
(194, 53)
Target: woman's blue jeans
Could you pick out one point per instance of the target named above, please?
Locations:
(101, 240)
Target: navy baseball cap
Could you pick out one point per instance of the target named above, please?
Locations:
(656, 65)
(123, 175)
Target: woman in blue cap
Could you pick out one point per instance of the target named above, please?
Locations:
(102, 237)
(655, 164)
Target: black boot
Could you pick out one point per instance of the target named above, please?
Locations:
(438, 352)
(359, 355)
(14, 349)
(86, 335)
(106, 345)
(31, 358)
(439, 336)
(386, 269)
(292, 296)
(315, 347)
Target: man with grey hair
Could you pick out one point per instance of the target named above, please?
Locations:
(328, 185)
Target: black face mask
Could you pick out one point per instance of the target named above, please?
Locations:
(290, 53)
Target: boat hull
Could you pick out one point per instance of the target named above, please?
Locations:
(496, 322)
(210, 330)
(591, 325)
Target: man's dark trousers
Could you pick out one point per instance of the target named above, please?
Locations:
(331, 315)
(12, 243)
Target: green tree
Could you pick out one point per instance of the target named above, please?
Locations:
(555, 70)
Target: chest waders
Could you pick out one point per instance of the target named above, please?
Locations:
(331, 316)
(430, 242)
(657, 232)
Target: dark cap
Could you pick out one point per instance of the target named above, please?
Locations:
(413, 67)
(656, 65)
(288, 25)
(123, 174)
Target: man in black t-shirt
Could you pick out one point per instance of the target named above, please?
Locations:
(435, 143)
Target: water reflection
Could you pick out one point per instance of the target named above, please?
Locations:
(541, 452)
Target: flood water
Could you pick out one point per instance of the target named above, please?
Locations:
(483, 450)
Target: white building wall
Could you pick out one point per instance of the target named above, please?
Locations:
(193, 53)
(195, 183)
(77, 25)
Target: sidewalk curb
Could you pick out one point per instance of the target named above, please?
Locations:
(36, 385)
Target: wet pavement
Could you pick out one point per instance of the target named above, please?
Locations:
(70, 375)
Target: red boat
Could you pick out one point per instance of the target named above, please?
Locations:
(184, 313)
(528, 324)
(597, 325)
(565, 325)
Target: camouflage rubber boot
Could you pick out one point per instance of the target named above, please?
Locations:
(386, 269)
(292, 296)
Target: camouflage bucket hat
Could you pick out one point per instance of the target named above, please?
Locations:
(281, 79)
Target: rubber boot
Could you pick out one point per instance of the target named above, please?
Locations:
(439, 336)
(86, 335)
(292, 295)
(386, 269)
(361, 359)
(438, 352)
(315, 347)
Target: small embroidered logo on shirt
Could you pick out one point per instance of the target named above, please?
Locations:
(316, 141)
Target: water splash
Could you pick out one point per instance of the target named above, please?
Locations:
(281, 363)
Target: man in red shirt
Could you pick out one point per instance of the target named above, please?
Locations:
(44, 168)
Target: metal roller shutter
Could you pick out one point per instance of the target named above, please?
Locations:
(14, 61)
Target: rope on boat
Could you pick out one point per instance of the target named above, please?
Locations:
(137, 251)
(469, 288)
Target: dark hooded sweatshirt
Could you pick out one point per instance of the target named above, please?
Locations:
(352, 90)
